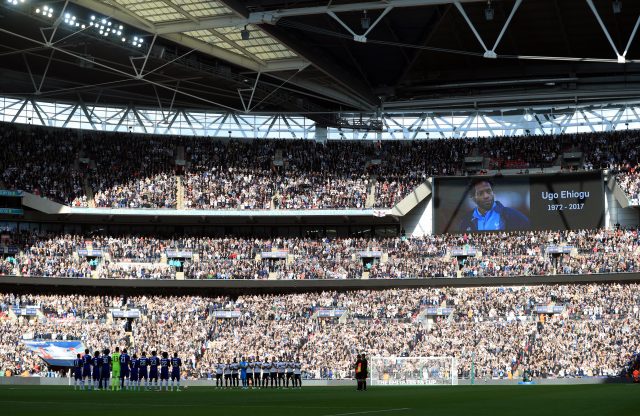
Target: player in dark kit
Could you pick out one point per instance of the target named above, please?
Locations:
(281, 365)
(289, 373)
(176, 363)
(164, 370)
(266, 373)
(143, 373)
(96, 364)
(105, 373)
(86, 369)
(125, 362)
(250, 368)
(134, 380)
(234, 373)
(274, 373)
(77, 373)
(227, 374)
(154, 362)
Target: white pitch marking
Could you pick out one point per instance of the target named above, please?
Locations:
(370, 411)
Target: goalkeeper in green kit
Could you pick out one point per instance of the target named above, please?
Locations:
(115, 369)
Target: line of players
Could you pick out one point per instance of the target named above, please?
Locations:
(125, 372)
(256, 373)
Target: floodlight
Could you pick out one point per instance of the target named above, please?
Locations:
(365, 22)
(245, 34)
(488, 12)
(617, 6)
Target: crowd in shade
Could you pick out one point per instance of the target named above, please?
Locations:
(277, 174)
(501, 254)
(122, 174)
(116, 170)
(552, 331)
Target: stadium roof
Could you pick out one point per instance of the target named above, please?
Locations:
(317, 58)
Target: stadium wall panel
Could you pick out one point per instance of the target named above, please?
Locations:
(230, 287)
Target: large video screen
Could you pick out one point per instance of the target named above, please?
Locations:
(563, 201)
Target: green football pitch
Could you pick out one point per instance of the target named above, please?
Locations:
(582, 400)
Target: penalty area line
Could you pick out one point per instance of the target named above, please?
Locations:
(401, 409)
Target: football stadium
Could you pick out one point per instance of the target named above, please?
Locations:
(319, 207)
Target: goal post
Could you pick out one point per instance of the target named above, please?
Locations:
(413, 371)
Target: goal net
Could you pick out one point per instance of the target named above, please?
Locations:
(404, 371)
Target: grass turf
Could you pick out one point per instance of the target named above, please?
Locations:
(583, 400)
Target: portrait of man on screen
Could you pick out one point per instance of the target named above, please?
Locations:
(490, 214)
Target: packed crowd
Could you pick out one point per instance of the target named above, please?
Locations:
(586, 330)
(41, 162)
(297, 175)
(73, 167)
(123, 174)
(498, 254)
(629, 181)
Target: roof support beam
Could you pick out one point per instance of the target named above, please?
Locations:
(488, 53)
(112, 69)
(128, 18)
(272, 17)
(606, 32)
(622, 57)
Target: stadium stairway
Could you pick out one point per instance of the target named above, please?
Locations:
(278, 159)
(179, 192)
(82, 163)
(371, 196)
(409, 202)
(95, 274)
(180, 159)
(41, 204)
(618, 192)
(88, 192)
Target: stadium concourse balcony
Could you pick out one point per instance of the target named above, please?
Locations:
(94, 169)
(568, 330)
(449, 255)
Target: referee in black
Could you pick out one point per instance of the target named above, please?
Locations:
(358, 368)
(364, 371)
